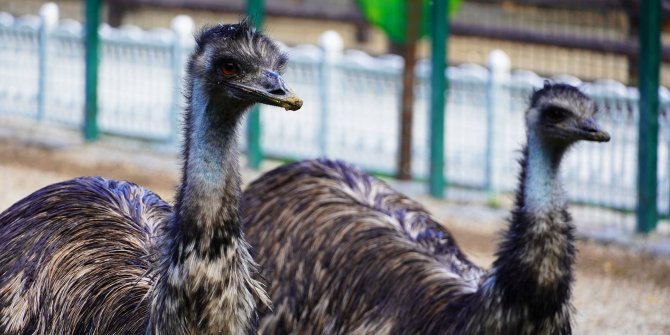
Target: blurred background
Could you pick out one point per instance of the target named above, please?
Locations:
(363, 68)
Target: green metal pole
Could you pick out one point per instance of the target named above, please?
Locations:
(438, 81)
(92, 63)
(649, 65)
(255, 10)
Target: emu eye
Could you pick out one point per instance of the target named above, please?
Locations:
(229, 68)
(555, 113)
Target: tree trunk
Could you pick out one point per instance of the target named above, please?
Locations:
(413, 31)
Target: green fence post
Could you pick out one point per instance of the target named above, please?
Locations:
(649, 66)
(254, 151)
(92, 63)
(438, 83)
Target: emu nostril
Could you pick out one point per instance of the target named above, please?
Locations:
(277, 91)
(590, 126)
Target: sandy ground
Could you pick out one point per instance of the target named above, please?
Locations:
(617, 291)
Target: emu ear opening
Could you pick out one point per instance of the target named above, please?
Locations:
(245, 28)
(248, 23)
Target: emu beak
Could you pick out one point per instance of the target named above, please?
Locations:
(589, 130)
(270, 89)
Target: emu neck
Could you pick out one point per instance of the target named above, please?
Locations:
(203, 280)
(541, 186)
(209, 196)
(533, 269)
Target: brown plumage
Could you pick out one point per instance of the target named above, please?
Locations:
(346, 254)
(98, 256)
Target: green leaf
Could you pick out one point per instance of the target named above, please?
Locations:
(391, 16)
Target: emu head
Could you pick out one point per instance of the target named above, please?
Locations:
(561, 115)
(236, 64)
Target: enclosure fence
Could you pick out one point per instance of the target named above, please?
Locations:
(351, 105)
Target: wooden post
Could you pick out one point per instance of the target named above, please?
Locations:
(413, 31)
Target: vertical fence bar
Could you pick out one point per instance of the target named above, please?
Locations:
(92, 64)
(497, 106)
(438, 85)
(647, 171)
(183, 28)
(255, 10)
(331, 45)
(49, 18)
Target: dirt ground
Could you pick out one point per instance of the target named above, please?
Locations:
(617, 291)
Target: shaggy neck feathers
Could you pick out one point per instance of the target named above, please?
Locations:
(541, 186)
(533, 270)
(208, 199)
(205, 284)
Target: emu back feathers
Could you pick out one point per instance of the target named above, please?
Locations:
(344, 253)
(75, 258)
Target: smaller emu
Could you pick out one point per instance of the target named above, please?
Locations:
(98, 256)
(346, 254)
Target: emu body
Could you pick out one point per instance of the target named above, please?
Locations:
(346, 254)
(89, 271)
(97, 256)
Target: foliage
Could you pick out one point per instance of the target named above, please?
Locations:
(391, 16)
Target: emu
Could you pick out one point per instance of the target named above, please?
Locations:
(98, 256)
(346, 254)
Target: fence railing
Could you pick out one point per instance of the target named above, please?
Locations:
(350, 111)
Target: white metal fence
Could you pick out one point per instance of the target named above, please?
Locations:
(351, 108)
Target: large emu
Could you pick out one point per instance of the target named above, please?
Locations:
(98, 256)
(346, 254)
